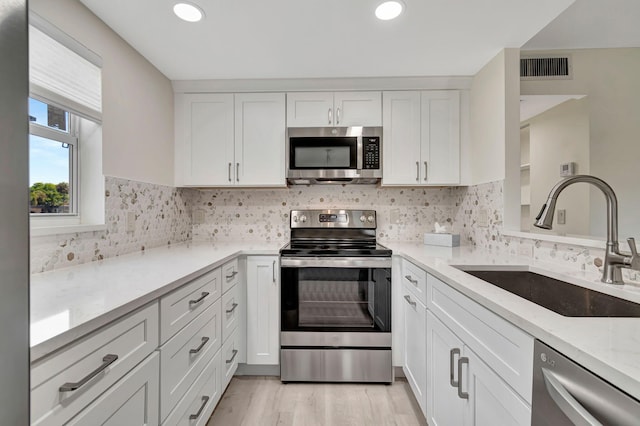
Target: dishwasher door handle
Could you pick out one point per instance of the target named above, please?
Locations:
(566, 402)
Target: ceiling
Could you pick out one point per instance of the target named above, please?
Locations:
(242, 39)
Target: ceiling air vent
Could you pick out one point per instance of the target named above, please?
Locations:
(545, 68)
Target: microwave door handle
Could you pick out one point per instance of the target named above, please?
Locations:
(566, 402)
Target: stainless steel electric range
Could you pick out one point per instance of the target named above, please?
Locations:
(335, 299)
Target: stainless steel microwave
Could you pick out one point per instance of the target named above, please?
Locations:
(334, 155)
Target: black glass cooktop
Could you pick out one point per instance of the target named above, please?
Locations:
(334, 249)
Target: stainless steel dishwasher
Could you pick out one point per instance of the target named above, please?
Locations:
(565, 393)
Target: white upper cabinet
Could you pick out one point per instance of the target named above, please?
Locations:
(321, 109)
(230, 140)
(421, 139)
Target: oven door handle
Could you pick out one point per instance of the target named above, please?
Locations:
(335, 262)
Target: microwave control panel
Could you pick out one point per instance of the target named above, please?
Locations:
(371, 148)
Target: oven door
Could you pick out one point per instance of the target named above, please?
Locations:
(345, 294)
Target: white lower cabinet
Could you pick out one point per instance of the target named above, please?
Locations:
(131, 401)
(462, 389)
(415, 346)
(263, 310)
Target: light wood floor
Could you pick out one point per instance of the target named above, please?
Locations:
(251, 400)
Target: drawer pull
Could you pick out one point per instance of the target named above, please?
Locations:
(205, 399)
(409, 301)
(199, 348)
(199, 299)
(411, 280)
(233, 308)
(461, 394)
(235, 352)
(233, 274)
(106, 361)
(452, 353)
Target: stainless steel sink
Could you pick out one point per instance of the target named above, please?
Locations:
(561, 297)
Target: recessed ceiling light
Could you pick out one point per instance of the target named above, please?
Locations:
(188, 12)
(389, 10)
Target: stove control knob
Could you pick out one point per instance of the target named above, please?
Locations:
(295, 219)
(303, 218)
(363, 218)
(370, 218)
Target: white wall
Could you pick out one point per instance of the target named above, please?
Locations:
(137, 98)
(561, 135)
(609, 78)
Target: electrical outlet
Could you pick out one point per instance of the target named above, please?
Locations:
(483, 218)
(525, 250)
(198, 217)
(131, 221)
(394, 216)
(562, 217)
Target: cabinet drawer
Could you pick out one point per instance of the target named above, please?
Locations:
(184, 356)
(417, 278)
(230, 311)
(229, 358)
(201, 398)
(131, 338)
(184, 304)
(131, 401)
(500, 344)
(230, 275)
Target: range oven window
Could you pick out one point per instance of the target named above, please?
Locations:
(323, 152)
(337, 299)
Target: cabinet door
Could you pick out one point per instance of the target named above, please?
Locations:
(401, 138)
(204, 139)
(444, 406)
(263, 310)
(491, 401)
(131, 401)
(440, 137)
(260, 139)
(310, 109)
(357, 108)
(415, 346)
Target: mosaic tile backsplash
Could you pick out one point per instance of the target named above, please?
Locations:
(404, 214)
(163, 216)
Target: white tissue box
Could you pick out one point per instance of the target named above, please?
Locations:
(446, 240)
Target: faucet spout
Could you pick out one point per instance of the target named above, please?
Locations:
(614, 260)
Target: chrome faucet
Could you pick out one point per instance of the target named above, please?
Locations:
(614, 261)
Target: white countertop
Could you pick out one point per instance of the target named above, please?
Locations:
(610, 347)
(71, 302)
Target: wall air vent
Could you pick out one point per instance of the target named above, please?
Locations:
(545, 68)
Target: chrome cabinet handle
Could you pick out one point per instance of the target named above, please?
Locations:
(233, 274)
(411, 280)
(452, 353)
(425, 171)
(205, 399)
(107, 360)
(461, 361)
(229, 361)
(199, 348)
(337, 115)
(237, 172)
(274, 271)
(409, 301)
(233, 308)
(330, 115)
(566, 402)
(230, 172)
(199, 299)
(417, 171)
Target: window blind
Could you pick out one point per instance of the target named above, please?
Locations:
(59, 75)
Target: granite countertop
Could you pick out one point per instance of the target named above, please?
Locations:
(69, 303)
(609, 347)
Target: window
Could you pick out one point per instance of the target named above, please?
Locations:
(65, 132)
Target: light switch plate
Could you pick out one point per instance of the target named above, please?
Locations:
(198, 217)
(562, 217)
(394, 216)
(131, 221)
(483, 218)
